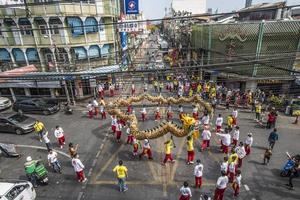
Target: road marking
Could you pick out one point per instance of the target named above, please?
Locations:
(79, 195)
(247, 188)
(108, 163)
(114, 182)
(151, 166)
(177, 156)
(43, 148)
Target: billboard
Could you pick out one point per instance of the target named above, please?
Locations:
(129, 26)
(131, 7)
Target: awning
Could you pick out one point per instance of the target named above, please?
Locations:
(13, 83)
(19, 71)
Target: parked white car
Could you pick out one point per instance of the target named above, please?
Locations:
(5, 103)
(16, 190)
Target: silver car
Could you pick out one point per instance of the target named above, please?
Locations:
(5, 103)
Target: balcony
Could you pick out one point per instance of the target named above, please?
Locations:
(60, 9)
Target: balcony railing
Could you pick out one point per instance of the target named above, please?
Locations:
(59, 8)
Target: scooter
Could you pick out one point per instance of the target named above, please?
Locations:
(291, 162)
(67, 109)
(41, 173)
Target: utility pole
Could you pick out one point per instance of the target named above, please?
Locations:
(26, 9)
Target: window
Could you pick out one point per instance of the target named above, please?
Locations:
(25, 30)
(43, 30)
(3, 121)
(63, 57)
(15, 191)
(54, 29)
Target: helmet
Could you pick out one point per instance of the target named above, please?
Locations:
(28, 159)
(146, 141)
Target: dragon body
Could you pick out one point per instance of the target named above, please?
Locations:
(165, 126)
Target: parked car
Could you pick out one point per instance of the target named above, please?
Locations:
(37, 105)
(16, 190)
(16, 123)
(5, 103)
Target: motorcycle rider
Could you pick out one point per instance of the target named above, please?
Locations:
(30, 166)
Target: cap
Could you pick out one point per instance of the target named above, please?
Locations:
(250, 134)
(28, 159)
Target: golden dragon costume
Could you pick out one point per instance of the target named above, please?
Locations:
(164, 127)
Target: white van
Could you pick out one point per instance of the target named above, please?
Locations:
(16, 190)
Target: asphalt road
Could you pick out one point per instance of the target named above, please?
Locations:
(149, 179)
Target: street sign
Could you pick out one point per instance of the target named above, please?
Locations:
(132, 6)
(93, 83)
(130, 26)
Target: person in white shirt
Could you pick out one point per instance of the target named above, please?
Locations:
(219, 123)
(145, 87)
(52, 161)
(180, 91)
(146, 150)
(95, 106)
(206, 135)
(157, 114)
(113, 123)
(235, 135)
(248, 143)
(224, 165)
(100, 90)
(118, 131)
(234, 116)
(111, 90)
(47, 141)
(59, 135)
(90, 109)
(130, 137)
(241, 152)
(205, 119)
(185, 192)
(221, 186)
(195, 112)
(169, 113)
(102, 111)
(237, 183)
(198, 173)
(144, 113)
(78, 168)
(132, 89)
(225, 141)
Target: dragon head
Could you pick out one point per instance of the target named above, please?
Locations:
(187, 121)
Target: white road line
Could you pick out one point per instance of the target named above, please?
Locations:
(79, 195)
(43, 148)
(247, 188)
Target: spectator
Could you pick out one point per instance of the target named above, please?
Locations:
(273, 137)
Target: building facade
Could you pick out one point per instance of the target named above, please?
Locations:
(67, 35)
(274, 43)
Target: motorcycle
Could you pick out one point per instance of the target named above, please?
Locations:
(291, 162)
(67, 109)
(41, 173)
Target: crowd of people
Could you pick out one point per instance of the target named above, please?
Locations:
(52, 157)
(226, 130)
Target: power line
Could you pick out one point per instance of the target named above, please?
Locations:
(152, 20)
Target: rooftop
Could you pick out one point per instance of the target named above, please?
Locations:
(263, 6)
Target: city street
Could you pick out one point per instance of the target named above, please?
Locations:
(99, 152)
